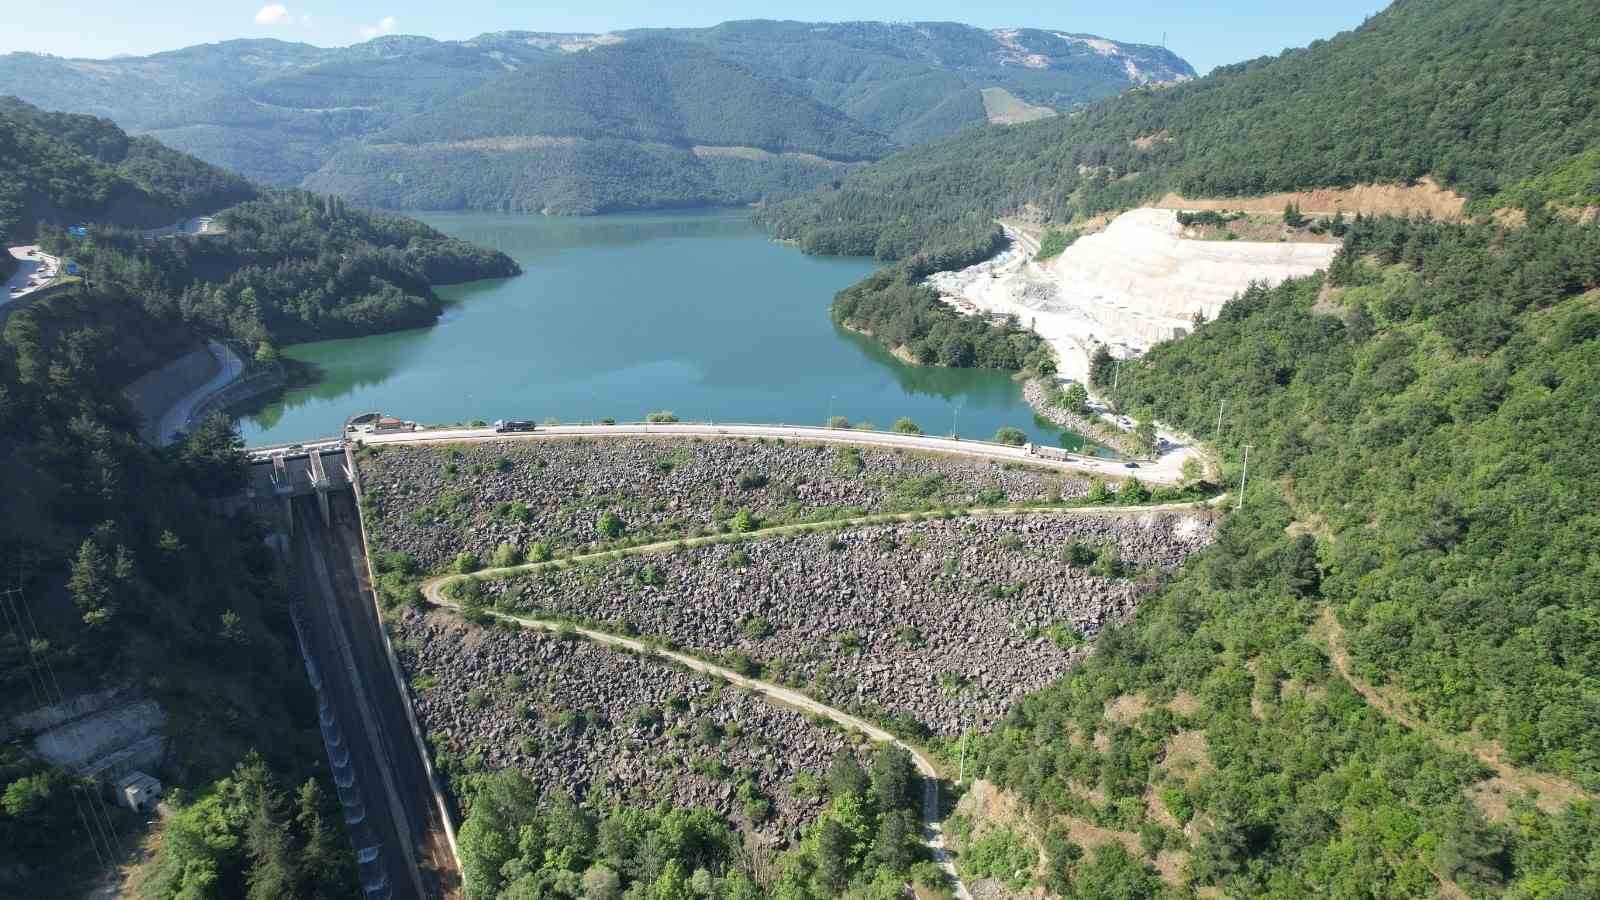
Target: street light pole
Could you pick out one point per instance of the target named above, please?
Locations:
(955, 414)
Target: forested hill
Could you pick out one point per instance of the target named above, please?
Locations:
(654, 90)
(285, 114)
(129, 576)
(70, 168)
(1480, 94)
(1420, 523)
(615, 127)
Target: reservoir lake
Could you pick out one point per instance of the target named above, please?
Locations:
(700, 313)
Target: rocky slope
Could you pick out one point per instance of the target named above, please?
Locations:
(436, 503)
(945, 623)
(605, 724)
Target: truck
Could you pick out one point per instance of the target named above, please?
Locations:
(1046, 452)
(502, 426)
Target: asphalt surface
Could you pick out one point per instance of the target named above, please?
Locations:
(31, 261)
(927, 443)
(176, 418)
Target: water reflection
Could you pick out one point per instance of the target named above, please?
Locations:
(621, 315)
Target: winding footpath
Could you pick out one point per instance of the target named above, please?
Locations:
(1553, 792)
(933, 830)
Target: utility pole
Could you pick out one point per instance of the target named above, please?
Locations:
(1243, 473)
(831, 398)
(1217, 435)
(955, 415)
(961, 775)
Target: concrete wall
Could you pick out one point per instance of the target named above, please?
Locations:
(156, 392)
(98, 733)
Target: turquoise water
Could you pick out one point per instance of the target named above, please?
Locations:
(616, 316)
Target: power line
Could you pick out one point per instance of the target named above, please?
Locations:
(1243, 473)
(14, 603)
(97, 814)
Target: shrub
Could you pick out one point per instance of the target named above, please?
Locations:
(1133, 491)
(847, 461)
(1054, 241)
(466, 562)
(838, 422)
(1009, 435)
(610, 525)
(662, 417)
(1005, 855)
(742, 522)
(505, 556)
(750, 480)
(904, 425)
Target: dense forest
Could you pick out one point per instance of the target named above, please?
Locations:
(652, 91)
(1480, 94)
(611, 128)
(331, 119)
(293, 267)
(894, 307)
(118, 568)
(1419, 425)
(866, 843)
(70, 168)
(566, 176)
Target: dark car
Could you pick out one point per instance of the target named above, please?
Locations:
(1130, 465)
(504, 425)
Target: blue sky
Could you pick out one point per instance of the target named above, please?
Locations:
(1206, 34)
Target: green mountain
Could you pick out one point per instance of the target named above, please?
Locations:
(1381, 681)
(121, 570)
(364, 120)
(68, 168)
(1479, 95)
(642, 123)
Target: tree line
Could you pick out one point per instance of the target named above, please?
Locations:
(1419, 424)
(519, 843)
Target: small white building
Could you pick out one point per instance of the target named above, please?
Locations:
(138, 792)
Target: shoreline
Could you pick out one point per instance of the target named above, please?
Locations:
(898, 351)
(1034, 393)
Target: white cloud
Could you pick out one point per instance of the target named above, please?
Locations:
(385, 26)
(272, 14)
(278, 14)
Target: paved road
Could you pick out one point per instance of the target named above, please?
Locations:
(32, 263)
(927, 443)
(176, 418)
(197, 226)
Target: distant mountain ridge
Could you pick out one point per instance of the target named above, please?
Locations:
(380, 120)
